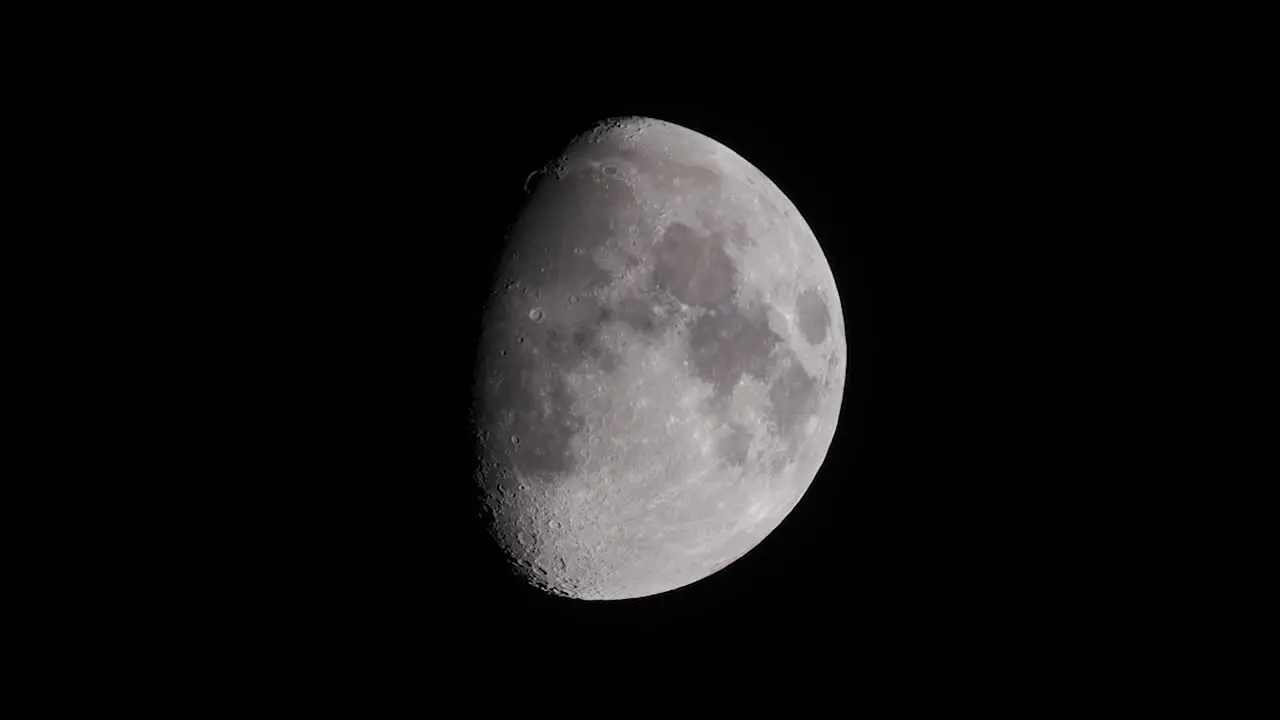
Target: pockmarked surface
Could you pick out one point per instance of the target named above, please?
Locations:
(661, 367)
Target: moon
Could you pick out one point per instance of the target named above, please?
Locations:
(661, 365)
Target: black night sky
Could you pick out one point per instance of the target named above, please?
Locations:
(257, 258)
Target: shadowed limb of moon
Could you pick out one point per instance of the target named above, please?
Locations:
(661, 367)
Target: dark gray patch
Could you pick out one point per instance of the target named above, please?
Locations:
(734, 447)
(740, 236)
(639, 315)
(567, 345)
(792, 398)
(535, 405)
(523, 394)
(725, 344)
(585, 343)
(814, 319)
(640, 312)
(693, 268)
(779, 462)
(565, 336)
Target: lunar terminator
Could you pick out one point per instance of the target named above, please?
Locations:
(661, 365)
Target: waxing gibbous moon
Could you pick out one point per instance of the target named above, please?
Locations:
(661, 365)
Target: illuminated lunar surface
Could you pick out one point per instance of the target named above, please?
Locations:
(661, 365)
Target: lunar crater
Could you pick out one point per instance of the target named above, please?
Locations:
(813, 316)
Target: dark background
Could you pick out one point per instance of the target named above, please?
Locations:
(245, 269)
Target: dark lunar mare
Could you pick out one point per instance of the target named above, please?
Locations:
(814, 319)
(727, 342)
(693, 267)
(793, 397)
(735, 446)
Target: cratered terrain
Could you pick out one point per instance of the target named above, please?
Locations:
(661, 364)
